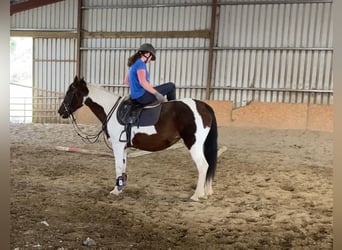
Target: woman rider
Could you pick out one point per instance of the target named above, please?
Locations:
(138, 78)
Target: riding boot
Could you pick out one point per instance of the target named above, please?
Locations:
(128, 134)
(172, 94)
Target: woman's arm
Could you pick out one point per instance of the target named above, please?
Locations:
(126, 80)
(144, 83)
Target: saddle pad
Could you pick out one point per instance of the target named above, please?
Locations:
(149, 116)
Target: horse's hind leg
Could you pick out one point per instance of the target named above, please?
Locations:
(202, 166)
(208, 189)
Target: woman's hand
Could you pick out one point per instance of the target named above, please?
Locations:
(160, 98)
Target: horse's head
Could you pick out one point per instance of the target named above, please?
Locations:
(74, 97)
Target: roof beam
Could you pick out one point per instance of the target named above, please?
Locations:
(44, 34)
(148, 34)
(30, 4)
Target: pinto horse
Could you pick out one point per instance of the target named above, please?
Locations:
(191, 120)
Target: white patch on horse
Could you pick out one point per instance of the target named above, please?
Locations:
(201, 131)
(149, 130)
(101, 96)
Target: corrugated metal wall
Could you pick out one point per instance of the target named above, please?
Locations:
(54, 58)
(269, 51)
(54, 66)
(182, 60)
(58, 16)
(177, 61)
(274, 53)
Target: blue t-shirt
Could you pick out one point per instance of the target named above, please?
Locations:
(135, 88)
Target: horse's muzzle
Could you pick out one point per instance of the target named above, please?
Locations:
(63, 112)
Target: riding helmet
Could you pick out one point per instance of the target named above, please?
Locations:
(147, 47)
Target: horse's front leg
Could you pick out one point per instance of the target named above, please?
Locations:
(120, 154)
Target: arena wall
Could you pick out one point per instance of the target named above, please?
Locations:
(258, 114)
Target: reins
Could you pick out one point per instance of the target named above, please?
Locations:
(93, 138)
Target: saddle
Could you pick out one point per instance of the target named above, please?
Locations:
(131, 113)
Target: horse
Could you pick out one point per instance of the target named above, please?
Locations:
(188, 119)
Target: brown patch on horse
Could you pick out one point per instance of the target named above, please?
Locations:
(203, 110)
(176, 121)
(98, 111)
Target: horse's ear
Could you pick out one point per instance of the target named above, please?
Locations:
(76, 78)
(82, 78)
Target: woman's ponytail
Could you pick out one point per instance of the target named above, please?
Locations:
(133, 58)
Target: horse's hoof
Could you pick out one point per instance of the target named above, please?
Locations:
(209, 192)
(194, 198)
(115, 191)
(198, 197)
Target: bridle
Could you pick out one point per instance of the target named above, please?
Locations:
(93, 138)
(67, 100)
(84, 136)
(66, 104)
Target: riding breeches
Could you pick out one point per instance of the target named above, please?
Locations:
(168, 89)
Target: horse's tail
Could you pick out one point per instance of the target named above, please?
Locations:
(210, 146)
